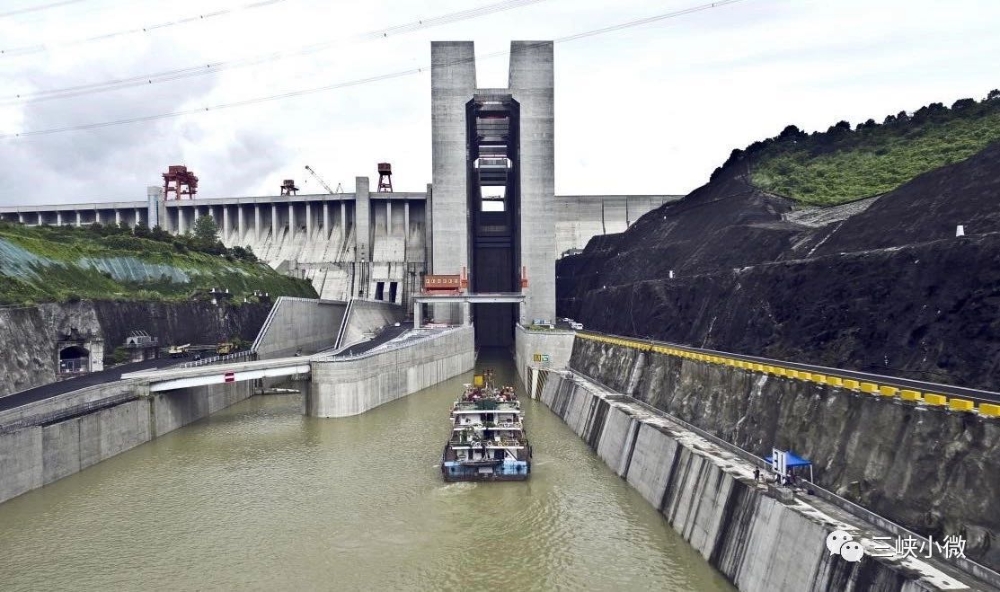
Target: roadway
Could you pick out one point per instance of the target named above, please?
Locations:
(47, 391)
(390, 332)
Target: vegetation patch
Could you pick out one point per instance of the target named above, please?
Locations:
(58, 264)
(844, 164)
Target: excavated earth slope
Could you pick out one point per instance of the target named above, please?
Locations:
(884, 286)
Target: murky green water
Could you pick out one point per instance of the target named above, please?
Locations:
(260, 497)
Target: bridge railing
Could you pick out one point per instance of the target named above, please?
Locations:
(386, 347)
(243, 356)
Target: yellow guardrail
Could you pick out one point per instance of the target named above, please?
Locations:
(934, 399)
(838, 382)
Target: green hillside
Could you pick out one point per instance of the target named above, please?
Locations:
(844, 164)
(46, 264)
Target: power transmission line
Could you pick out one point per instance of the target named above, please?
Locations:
(38, 8)
(362, 81)
(214, 67)
(29, 49)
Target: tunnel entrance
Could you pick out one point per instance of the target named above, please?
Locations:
(74, 359)
(493, 204)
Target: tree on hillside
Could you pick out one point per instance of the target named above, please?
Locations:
(963, 104)
(205, 231)
(993, 94)
(792, 132)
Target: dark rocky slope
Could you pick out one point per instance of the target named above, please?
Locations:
(888, 289)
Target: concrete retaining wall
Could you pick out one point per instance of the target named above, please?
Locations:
(299, 324)
(367, 317)
(557, 345)
(343, 387)
(174, 409)
(73, 403)
(913, 464)
(40, 454)
(758, 536)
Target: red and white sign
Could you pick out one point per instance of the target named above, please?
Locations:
(230, 377)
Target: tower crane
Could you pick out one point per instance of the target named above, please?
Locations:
(340, 188)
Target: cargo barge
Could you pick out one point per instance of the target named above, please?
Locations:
(487, 441)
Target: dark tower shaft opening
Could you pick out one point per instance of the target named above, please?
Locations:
(493, 188)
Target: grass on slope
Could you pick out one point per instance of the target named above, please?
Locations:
(841, 164)
(162, 264)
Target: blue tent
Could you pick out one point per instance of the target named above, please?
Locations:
(792, 460)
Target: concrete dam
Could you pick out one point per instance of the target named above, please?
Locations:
(350, 245)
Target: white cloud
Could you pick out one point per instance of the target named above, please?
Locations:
(652, 109)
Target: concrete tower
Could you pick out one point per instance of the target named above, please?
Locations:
(494, 181)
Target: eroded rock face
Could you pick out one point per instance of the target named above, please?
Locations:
(29, 336)
(928, 312)
(29, 341)
(931, 470)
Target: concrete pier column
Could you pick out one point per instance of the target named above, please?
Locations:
(226, 226)
(156, 209)
(240, 223)
(343, 219)
(532, 86)
(211, 212)
(138, 218)
(58, 218)
(406, 221)
(466, 314)
(79, 218)
(291, 220)
(326, 220)
(181, 223)
(40, 219)
(388, 218)
(20, 218)
(256, 223)
(97, 216)
(309, 224)
(118, 217)
(362, 218)
(417, 315)
(274, 222)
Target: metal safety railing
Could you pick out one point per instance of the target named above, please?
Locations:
(67, 412)
(908, 390)
(246, 356)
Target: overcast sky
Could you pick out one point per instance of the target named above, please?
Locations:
(651, 109)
